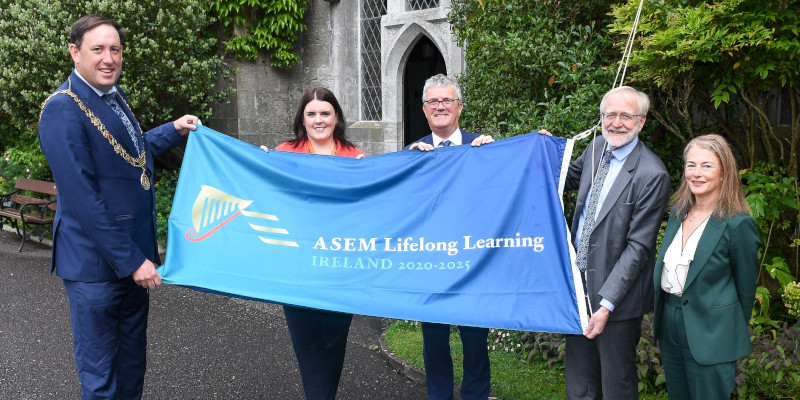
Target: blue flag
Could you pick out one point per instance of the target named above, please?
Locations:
(460, 235)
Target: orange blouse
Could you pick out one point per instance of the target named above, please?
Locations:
(341, 151)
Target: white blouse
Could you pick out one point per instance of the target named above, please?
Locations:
(677, 260)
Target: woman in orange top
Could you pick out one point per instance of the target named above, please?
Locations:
(319, 127)
(319, 337)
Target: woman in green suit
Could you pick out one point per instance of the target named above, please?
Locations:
(705, 275)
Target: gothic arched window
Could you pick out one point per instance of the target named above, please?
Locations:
(413, 5)
(371, 102)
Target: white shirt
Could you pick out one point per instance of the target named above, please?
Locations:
(677, 260)
(96, 90)
(455, 138)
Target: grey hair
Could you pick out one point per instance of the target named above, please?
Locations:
(642, 101)
(440, 80)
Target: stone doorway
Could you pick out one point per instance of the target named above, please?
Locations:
(424, 61)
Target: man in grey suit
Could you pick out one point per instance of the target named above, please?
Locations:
(623, 190)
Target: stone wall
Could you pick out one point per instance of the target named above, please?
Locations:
(266, 100)
(262, 110)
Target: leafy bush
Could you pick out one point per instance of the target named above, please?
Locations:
(772, 371)
(22, 159)
(170, 65)
(257, 25)
(166, 183)
(532, 64)
(774, 199)
(547, 347)
(791, 299)
(648, 360)
(714, 66)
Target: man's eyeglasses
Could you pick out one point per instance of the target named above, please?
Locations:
(610, 117)
(446, 102)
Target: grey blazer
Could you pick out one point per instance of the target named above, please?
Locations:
(619, 264)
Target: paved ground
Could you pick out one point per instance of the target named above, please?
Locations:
(201, 346)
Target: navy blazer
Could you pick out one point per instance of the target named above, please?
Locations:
(720, 288)
(105, 225)
(466, 138)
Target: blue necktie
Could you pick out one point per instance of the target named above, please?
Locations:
(591, 209)
(111, 100)
(445, 143)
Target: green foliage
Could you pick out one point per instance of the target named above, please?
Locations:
(791, 299)
(648, 360)
(546, 347)
(22, 159)
(170, 67)
(761, 320)
(712, 65)
(774, 199)
(772, 371)
(259, 25)
(169, 62)
(512, 378)
(166, 182)
(532, 64)
(516, 374)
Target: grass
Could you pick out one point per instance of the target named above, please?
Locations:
(512, 377)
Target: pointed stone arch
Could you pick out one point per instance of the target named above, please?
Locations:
(400, 34)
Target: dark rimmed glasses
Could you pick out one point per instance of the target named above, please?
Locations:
(446, 102)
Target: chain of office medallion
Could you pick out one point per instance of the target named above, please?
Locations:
(138, 162)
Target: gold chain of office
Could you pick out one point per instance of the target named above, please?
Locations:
(138, 162)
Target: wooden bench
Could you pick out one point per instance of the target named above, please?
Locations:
(29, 215)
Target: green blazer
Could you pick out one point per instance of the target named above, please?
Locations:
(720, 288)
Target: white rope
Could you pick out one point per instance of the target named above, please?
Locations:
(623, 67)
(626, 55)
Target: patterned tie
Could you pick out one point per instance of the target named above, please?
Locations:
(591, 209)
(445, 143)
(111, 100)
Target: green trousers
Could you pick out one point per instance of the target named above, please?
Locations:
(686, 378)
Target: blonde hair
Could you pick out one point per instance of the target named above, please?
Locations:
(731, 197)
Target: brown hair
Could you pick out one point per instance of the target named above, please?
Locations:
(89, 22)
(731, 197)
(321, 94)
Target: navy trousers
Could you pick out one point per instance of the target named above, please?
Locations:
(319, 339)
(439, 364)
(109, 327)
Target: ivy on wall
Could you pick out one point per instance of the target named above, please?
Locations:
(268, 25)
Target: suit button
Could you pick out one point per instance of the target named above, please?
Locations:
(685, 302)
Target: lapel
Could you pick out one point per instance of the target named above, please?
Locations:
(669, 236)
(705, 247)
(585, 185)
(621, 183)
(107, 116)
(467, 137)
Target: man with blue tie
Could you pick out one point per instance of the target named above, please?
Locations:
(623, 189)
(104, 235)
(441, 103)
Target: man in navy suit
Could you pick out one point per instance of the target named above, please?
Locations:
(104, 235)
(441, 103)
